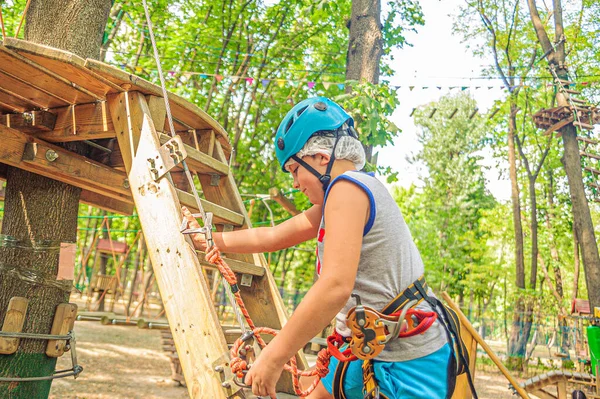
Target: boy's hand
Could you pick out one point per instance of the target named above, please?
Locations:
(198, 239)
(263, 376)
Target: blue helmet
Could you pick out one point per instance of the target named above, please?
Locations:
(305, 119)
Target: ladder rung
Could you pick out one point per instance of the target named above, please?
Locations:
(594, 171)
(587, 154)
(586, 140)
(593, 185)
(199, 161)
(237, 266)
(577, 100)
(582, 108)
(571, 91)
(583, 125)
(565, 82)
(221, 215)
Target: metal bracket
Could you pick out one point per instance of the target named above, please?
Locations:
(221, 367)
(246, 280)
(166, 157)
(214, 180)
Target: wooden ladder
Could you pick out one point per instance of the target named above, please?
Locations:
(197, 335)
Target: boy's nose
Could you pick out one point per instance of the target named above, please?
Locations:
(296, 185)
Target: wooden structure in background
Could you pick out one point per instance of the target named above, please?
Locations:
(50, 96)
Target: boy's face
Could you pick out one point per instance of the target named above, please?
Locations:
(305, 181)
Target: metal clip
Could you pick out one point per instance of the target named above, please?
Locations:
(206, 230)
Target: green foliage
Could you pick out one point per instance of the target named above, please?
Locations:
(448, 216)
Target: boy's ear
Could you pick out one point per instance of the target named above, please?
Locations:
(325, 158)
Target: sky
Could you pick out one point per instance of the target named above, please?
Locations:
(437, 58)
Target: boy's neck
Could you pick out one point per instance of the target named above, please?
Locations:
(340, 167)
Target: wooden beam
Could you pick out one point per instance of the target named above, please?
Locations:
(283, 201)
(236, 265)
(28, 153)
(587, 154)
(558, 125)
(188, 305)
(82, 122)
(586, 140)
(221, 214)
(200, 162)
(30, 122)
(106, 203)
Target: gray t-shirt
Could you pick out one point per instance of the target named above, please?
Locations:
(389, 262)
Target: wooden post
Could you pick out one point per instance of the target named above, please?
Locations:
(467, 324)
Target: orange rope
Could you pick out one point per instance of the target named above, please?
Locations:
(239, 365)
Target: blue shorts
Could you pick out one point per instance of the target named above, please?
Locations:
(425, 377)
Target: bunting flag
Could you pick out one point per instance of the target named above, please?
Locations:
(536, 83)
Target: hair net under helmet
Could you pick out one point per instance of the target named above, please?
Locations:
(317, 125)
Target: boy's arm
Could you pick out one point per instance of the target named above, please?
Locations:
(300, 228)
(345, 214)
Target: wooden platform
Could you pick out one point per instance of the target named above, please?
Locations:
(552, 119)
(50, 96)
(561, 383)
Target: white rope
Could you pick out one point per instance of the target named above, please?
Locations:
(209, 243)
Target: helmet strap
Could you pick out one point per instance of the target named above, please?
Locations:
(325, 178)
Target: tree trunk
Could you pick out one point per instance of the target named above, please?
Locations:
(581, 214)
(365, 47)
(516, 351)
(38, 208)
(556, 56)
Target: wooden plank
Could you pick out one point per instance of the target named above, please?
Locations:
(106, 203)
(200, 162)
(586, 140)
(28, 153)
(587, 154)
(23, 88)
(42, 78)
(15, 102)
(584, 125)
(89, 122)
(13, 322)
(236, 265)
(64, 320)
(158, 111)
(65, 64)
(558, 125)
(30, 122)
(184, 111)
(197, 335)
(221, 214)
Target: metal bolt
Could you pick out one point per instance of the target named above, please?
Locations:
(126, 183)
(367, 349)
(151, 161)
(28, 117)
(361, 322)
(219, 369)
(51, 155)
(226, 385)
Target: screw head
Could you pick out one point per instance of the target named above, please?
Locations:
(51, 155)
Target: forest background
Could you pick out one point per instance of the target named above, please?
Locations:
(247, 62)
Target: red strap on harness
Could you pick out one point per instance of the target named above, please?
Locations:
(425, 319)
(334, 342)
